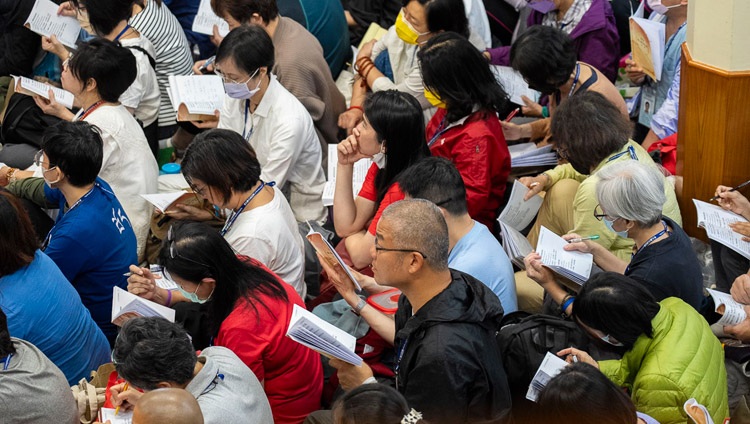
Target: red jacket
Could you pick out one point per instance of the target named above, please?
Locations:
(478, 149)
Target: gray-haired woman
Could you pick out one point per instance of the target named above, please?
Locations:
(631, 198)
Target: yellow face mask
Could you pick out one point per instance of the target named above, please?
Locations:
(433, 99)
(406, 31)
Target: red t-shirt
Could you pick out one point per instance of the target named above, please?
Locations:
(478, 149)
(292, 373)
(370, 192)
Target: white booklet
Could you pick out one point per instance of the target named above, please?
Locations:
(161, 279)
(716, 222)
(573, 266)
(516, 216)
(358, 176)
(123, 417)
(196, 97)
(205, 20)
(126, 305)
(647, 43)
(32, 87)
(162, 201)
(45, 21)
(514, 85)
(329, 254)
(325, 338)
(550, 367)
(515, 245)
(528, 154)
(732, 312)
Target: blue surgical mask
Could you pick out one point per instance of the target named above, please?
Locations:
(610, 227)
(193, 297)
(608, 339)
(237, 90)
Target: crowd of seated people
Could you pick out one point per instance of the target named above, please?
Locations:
(419, 270)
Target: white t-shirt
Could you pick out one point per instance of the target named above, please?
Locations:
(143, 95)
(269, 234)
(282, 133)
(128, 165)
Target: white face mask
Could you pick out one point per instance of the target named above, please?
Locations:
(659, 8)
(238, 90)
(379, 158)
(609, 340)
(610, 226)
(48, 182)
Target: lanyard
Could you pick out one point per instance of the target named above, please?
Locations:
(252, 123)
(90, 109)
(124, 30)
(78, 202)
(443, 127)
(401, 351)
(630, 150)
(575, 80)
(6, 362)
(235, 214)
(649, 241)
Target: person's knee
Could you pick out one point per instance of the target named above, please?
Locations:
(530, 294)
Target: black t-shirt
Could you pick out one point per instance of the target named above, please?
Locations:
(669, 268)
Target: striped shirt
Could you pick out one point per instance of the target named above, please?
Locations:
(173, 57)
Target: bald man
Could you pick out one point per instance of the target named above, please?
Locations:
(175, 406)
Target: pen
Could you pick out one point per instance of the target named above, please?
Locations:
(124, 389)
(739, 187)
(204, 67)
(575, 358)
(580, 239)
(512, 114)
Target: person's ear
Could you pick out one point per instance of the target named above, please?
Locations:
(416, 262)
(90, 85)
(163, 385)
(256, 19)
(210, 282)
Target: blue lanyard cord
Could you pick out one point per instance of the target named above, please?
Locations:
(443, 127)
(649, 241)
(630, 150)
(124, 30)
(575, 80)
(6, 362)
(249, 134)
(78, 202)
(401, 351)
(235, 214)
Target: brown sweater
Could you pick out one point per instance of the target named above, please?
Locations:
(301, 68)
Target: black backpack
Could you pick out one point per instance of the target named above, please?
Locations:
(24, 122)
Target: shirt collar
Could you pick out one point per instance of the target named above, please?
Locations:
(264, 107)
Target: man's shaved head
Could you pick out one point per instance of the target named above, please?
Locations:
(174, 406)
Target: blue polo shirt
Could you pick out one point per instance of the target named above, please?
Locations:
(93, 244)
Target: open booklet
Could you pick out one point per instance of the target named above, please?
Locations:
(205, 20)
(574, 267)
(514, 85)
(516, 216)
(550, 367)
(325, 338)
(716, 222)
(528, 154)
(108, 414)
(196, 97)
(45, 21)
(358, 177)
(647, 42)
(328, 253)
(32, 87)
(374, 32)
(731, 311)
(162, 201)
(127, 305)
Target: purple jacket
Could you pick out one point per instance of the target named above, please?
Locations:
(595, 37)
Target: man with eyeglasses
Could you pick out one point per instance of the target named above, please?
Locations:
(153, 353)
(448, 365)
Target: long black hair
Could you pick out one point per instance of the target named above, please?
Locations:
(455, 71)
(397, 119)
(197, 251)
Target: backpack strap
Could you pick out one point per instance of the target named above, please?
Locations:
(151, 60)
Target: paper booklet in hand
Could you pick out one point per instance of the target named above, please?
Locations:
(358, 176)
(514, 85)
(162, 201)
(716, 222)
(127, 305)
(516, 216)
(329, 254)
(574, 267)
(325, 338)
(647, 42)
(374, 32)
(528, 154)
(45, 21)
(122, 417)
(205, 20)
(550, 367)
(731, 311)
(32, 87)
(196, 97)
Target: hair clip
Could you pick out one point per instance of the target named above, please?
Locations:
(412, 417)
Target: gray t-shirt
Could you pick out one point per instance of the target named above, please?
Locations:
(227, 390)
(34, 390)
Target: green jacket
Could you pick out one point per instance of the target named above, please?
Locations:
(683, 360)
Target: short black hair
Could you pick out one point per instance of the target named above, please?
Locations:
(6, 344)
(249, 46)
(581, 394)
(616, 305)
(444, 15)
(398, 121)
(152, 350)
(223, 160)
(544, 56)
(18, 243)
(112, 66)
(590, 129)
(370, 404)
(455, 71)
(76, 148)
(437, 180)
(104, 15)
(243, 10)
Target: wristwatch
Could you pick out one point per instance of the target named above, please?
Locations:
(360, 305)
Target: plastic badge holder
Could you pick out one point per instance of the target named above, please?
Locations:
(386, 302)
